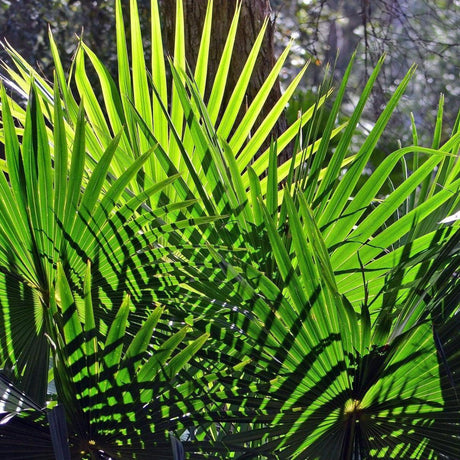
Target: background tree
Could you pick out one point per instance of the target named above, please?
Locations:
(408, 32)
(25, 23)
(253, 15)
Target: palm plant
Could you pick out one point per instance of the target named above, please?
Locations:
(53, 220)
(329, 309)
(118, 397)
(324, 380)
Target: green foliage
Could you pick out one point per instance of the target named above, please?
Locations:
(120, 397)
(161, 271)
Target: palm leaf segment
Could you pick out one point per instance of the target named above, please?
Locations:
(122, 399)
(53, 215)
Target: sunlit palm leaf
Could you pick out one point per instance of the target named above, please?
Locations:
(48, 217)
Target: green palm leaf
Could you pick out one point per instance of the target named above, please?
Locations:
(118, 397)
(44, 226)
(315, 383)
(137, 234)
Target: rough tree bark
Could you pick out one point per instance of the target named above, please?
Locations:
(253, 14)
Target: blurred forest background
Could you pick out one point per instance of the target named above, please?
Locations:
(423, 32)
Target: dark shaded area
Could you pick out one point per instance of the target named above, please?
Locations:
(24, 24)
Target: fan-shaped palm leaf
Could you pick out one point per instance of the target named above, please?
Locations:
(315, 383)
(52, 215)
(327, 339)
(120, 399)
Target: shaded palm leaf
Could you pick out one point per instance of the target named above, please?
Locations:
(315, 384)
(120, 399)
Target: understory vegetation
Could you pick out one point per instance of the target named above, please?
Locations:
(174, 285)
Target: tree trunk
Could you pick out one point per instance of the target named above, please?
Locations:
(253, 14)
